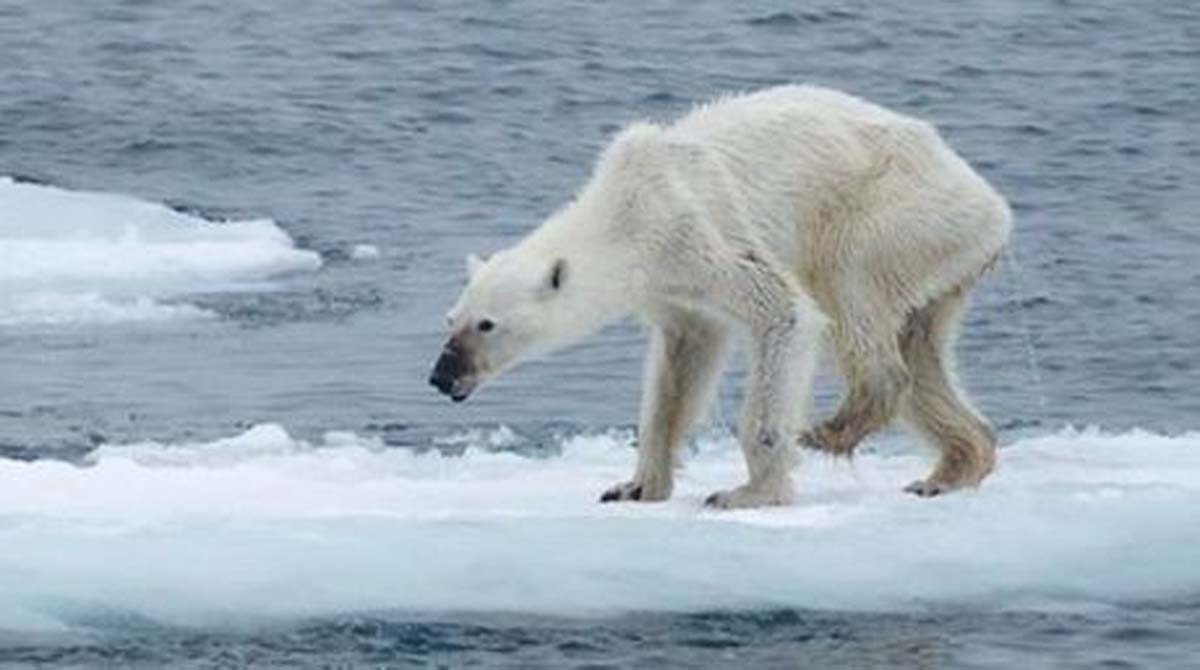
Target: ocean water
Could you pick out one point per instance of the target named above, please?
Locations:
(228, 233)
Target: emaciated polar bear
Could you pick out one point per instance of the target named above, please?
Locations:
(795, 212)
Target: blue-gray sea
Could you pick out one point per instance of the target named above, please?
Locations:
(428, 130)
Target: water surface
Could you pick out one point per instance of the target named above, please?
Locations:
(390, 139)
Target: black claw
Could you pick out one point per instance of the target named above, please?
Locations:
(923, 489)
(615, 494)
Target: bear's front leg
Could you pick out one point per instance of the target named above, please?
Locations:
(686, 351)
(770, 460)
(776, 406)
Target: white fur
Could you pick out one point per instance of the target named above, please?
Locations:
(786, 212)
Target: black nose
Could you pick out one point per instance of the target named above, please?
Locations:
(447, 370)
(442, 383)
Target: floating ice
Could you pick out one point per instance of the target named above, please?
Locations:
(49, 308)
(364, 252)
(72, 256)
(262, 525)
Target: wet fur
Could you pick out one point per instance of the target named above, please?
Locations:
(887, 253)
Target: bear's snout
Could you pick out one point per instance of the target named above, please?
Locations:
(449, 372)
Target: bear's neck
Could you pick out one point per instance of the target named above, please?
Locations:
(599, 268)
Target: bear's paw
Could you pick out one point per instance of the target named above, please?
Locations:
(635, 491)
(752, 495)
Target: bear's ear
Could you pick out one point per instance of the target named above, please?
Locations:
(474, 262)
(557, 276)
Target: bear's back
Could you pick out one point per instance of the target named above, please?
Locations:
(808, 135)
(806, 109)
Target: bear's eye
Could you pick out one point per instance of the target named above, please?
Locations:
(487, 326)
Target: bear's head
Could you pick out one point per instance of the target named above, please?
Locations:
(515, 305)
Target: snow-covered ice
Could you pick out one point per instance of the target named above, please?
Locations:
(262, 525)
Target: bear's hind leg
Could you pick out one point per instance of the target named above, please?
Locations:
(686, 352)
(877, 378)
(936, 407)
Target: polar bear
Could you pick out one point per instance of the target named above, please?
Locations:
(797, 213)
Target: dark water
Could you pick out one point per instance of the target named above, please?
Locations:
(775, 639)
(436, 129)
